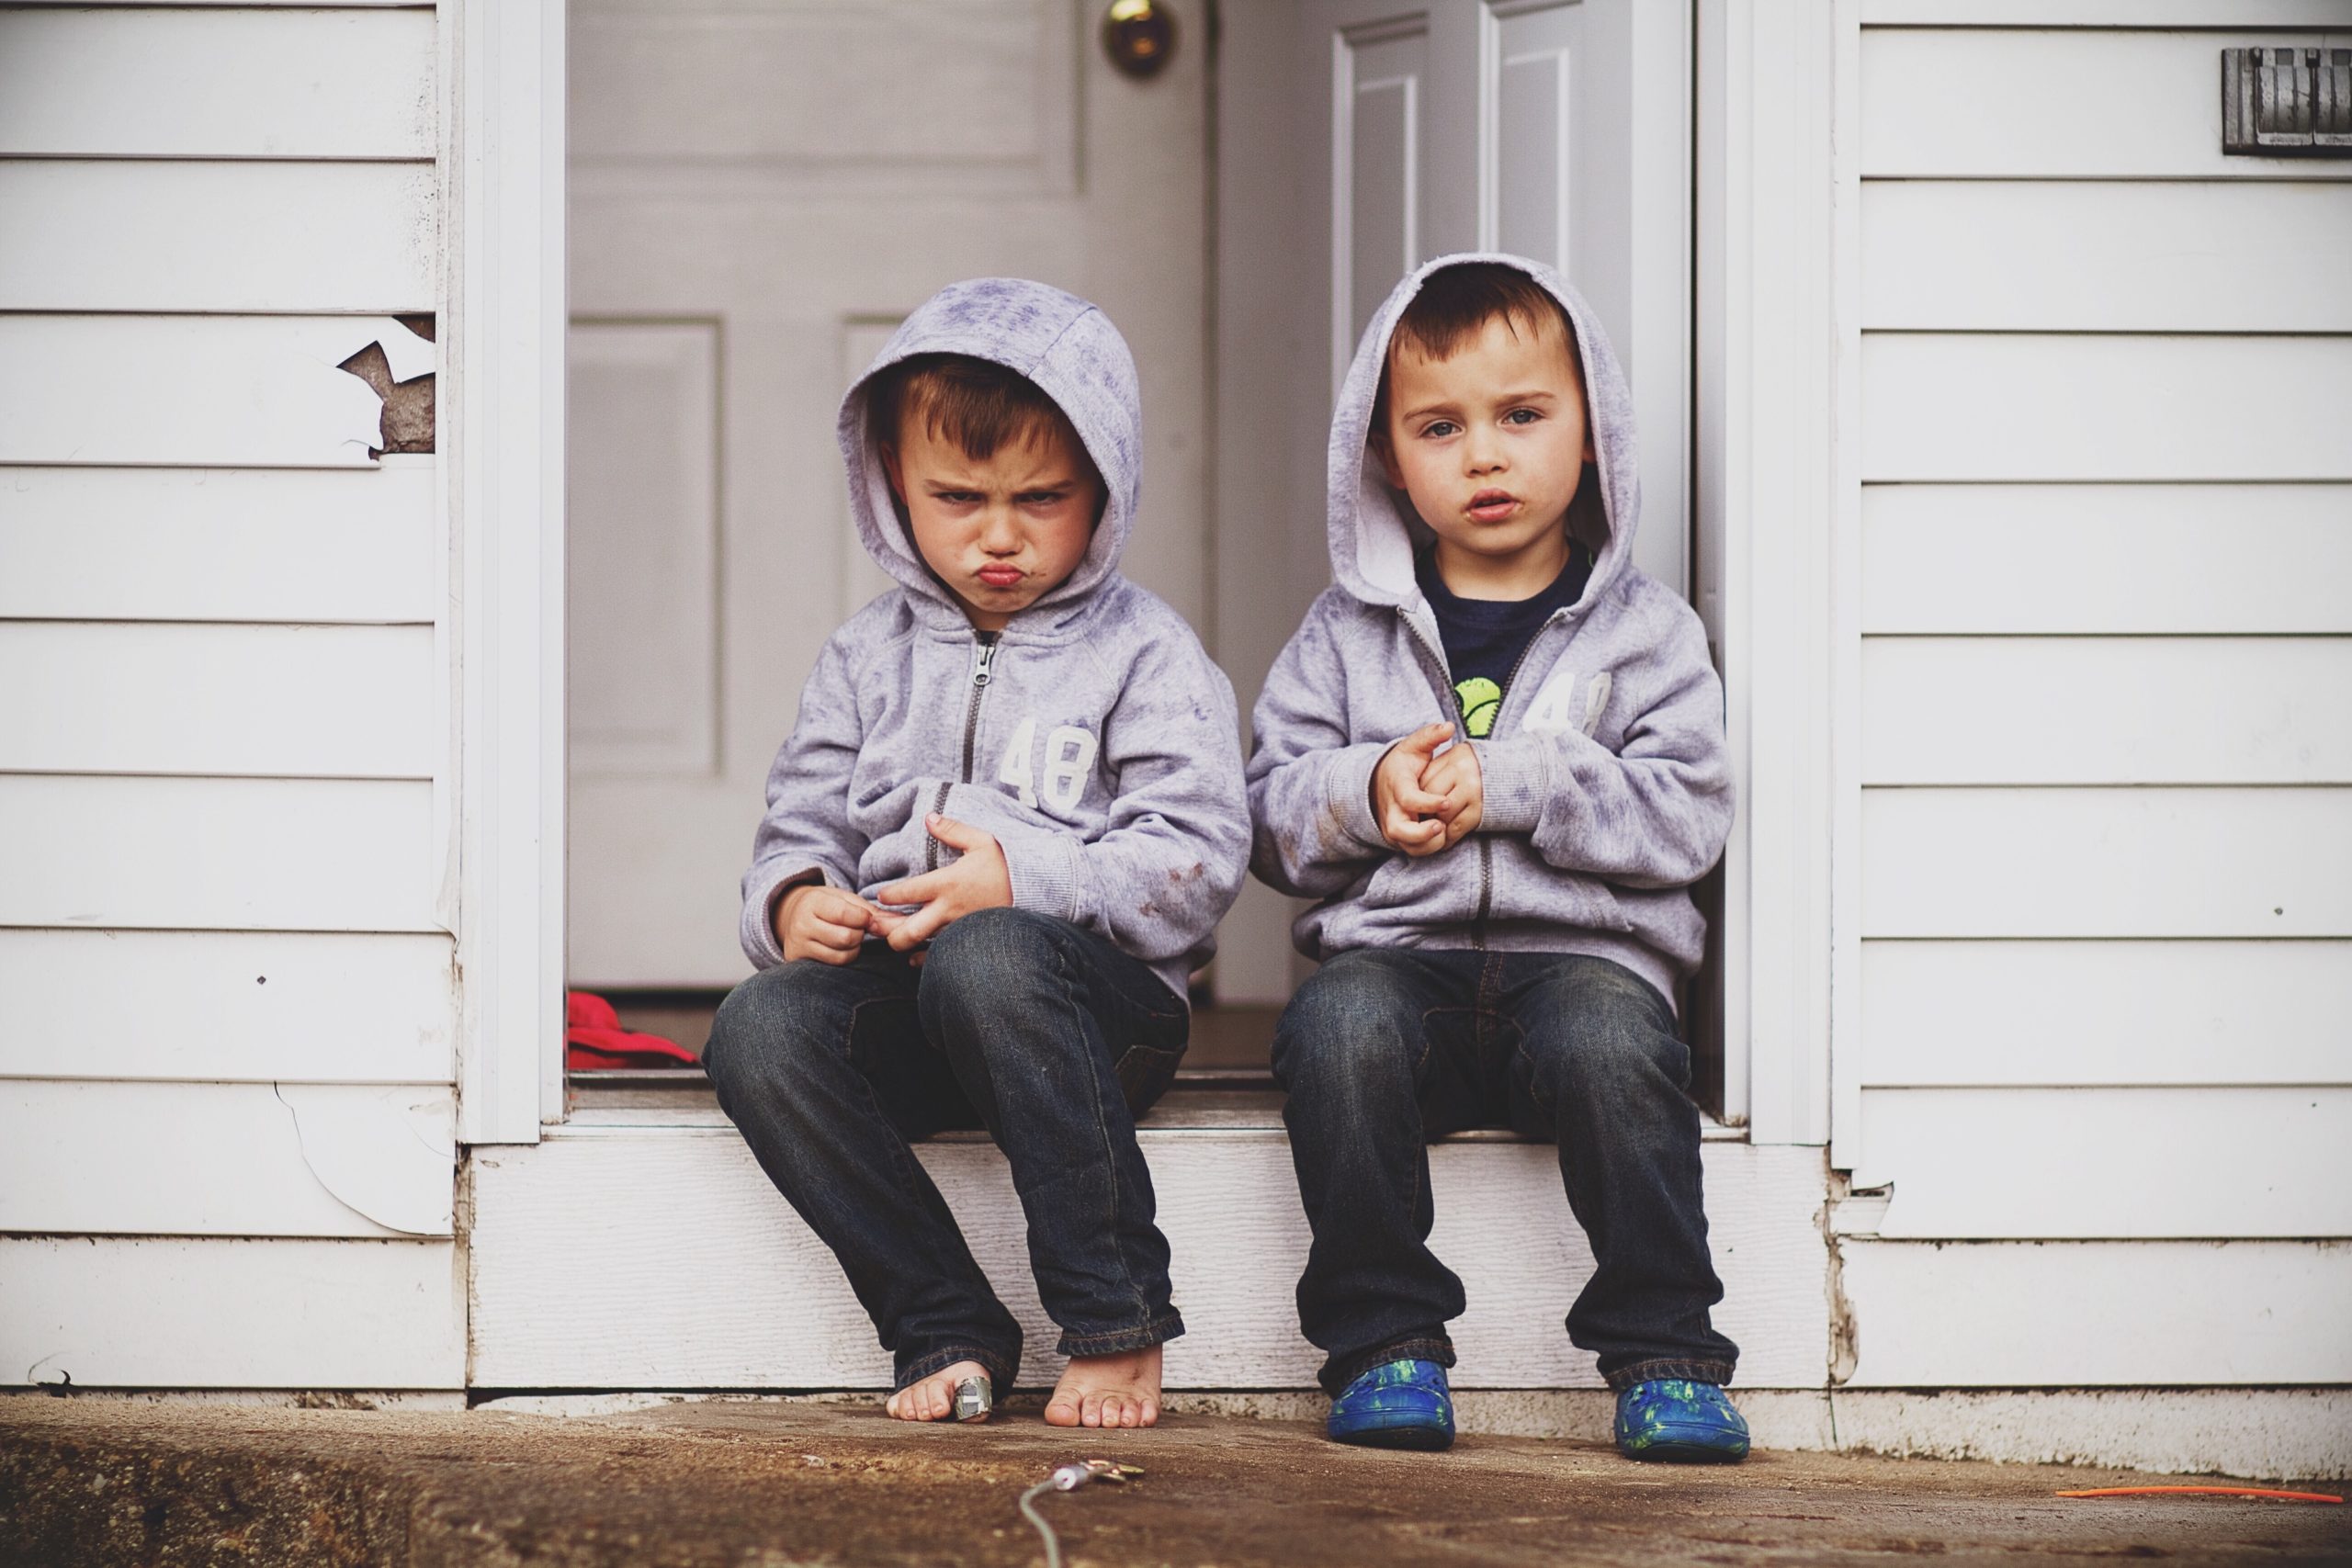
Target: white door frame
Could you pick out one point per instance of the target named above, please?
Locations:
(1778, 507)
(501, 420)
(1778, 394)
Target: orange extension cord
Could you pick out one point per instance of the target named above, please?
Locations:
(2205, 1491)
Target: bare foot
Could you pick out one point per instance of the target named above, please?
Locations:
(1108, 1391)
(934, 1397)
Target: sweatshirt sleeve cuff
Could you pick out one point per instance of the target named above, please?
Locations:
(1043, 870)
(760, 893)
(1347, 785)
(1514, 777)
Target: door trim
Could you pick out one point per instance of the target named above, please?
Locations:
(1778, 346)
(503, 420)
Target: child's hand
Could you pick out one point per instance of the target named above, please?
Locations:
(1459, 781)
(823, 923)
(980, 880)
(1406, 809)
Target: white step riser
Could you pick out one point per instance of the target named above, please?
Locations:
(661, 1258)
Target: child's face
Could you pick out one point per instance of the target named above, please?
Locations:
(1002, 531)
(1490, 444)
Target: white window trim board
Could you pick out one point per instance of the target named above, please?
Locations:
(501, 414)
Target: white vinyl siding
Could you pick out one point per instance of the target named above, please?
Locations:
(2104, 751)
(2087, 1314)
(226, 1122)
(179, 1312)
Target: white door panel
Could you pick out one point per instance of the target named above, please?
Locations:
(643, 524)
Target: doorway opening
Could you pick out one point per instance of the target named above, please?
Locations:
(757, 195)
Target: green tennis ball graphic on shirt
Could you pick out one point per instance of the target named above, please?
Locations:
(1480, 699)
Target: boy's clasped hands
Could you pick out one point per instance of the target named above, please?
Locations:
(1428, 794)
(830, 925)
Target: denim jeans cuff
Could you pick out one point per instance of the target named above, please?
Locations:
(1000, 1369)
(1339, 1372)
(1118, 1341)
(1623, 1378)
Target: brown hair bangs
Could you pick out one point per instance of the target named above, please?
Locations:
(1455, 305)
(976, 403)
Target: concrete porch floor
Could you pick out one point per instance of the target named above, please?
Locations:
(94, 1480)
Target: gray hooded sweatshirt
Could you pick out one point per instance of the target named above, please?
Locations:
(1093, 736)
(1606, 774)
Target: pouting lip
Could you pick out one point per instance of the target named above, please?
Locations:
(1001, 576)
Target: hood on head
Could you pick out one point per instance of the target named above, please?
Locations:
(1056, 340)
(1373, 527)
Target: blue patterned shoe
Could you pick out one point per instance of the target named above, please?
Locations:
(1396, 1404)
(1673, 1421)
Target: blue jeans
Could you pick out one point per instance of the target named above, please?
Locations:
(1046, 1034)
(1385, 1048)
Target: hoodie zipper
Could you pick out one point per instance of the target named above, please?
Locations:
(984, 645)
(1453, 706)
(1486, 845)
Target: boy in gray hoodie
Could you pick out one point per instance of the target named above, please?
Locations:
(1494, 756)
(1008, 818)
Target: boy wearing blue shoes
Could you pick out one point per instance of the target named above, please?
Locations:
(1494, 756)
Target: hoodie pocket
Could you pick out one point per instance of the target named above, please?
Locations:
(1528, 887)
(1439, 889)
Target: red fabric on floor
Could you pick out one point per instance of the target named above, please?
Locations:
(593, 1038)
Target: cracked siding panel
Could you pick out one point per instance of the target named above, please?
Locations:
(220, 545)
(228, 83)
(218, 854)
(239, 391)
(227, 1159)
(302, 702)
(387, 1154)
(176, 235)
(165, 1313)
(228, 1005)
(400, 374)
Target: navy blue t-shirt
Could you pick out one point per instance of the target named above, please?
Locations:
(1484, 637)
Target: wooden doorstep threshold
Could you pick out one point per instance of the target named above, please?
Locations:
(1204, 1100)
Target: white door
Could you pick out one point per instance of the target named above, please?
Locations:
(759, 191)
(1378, 136)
